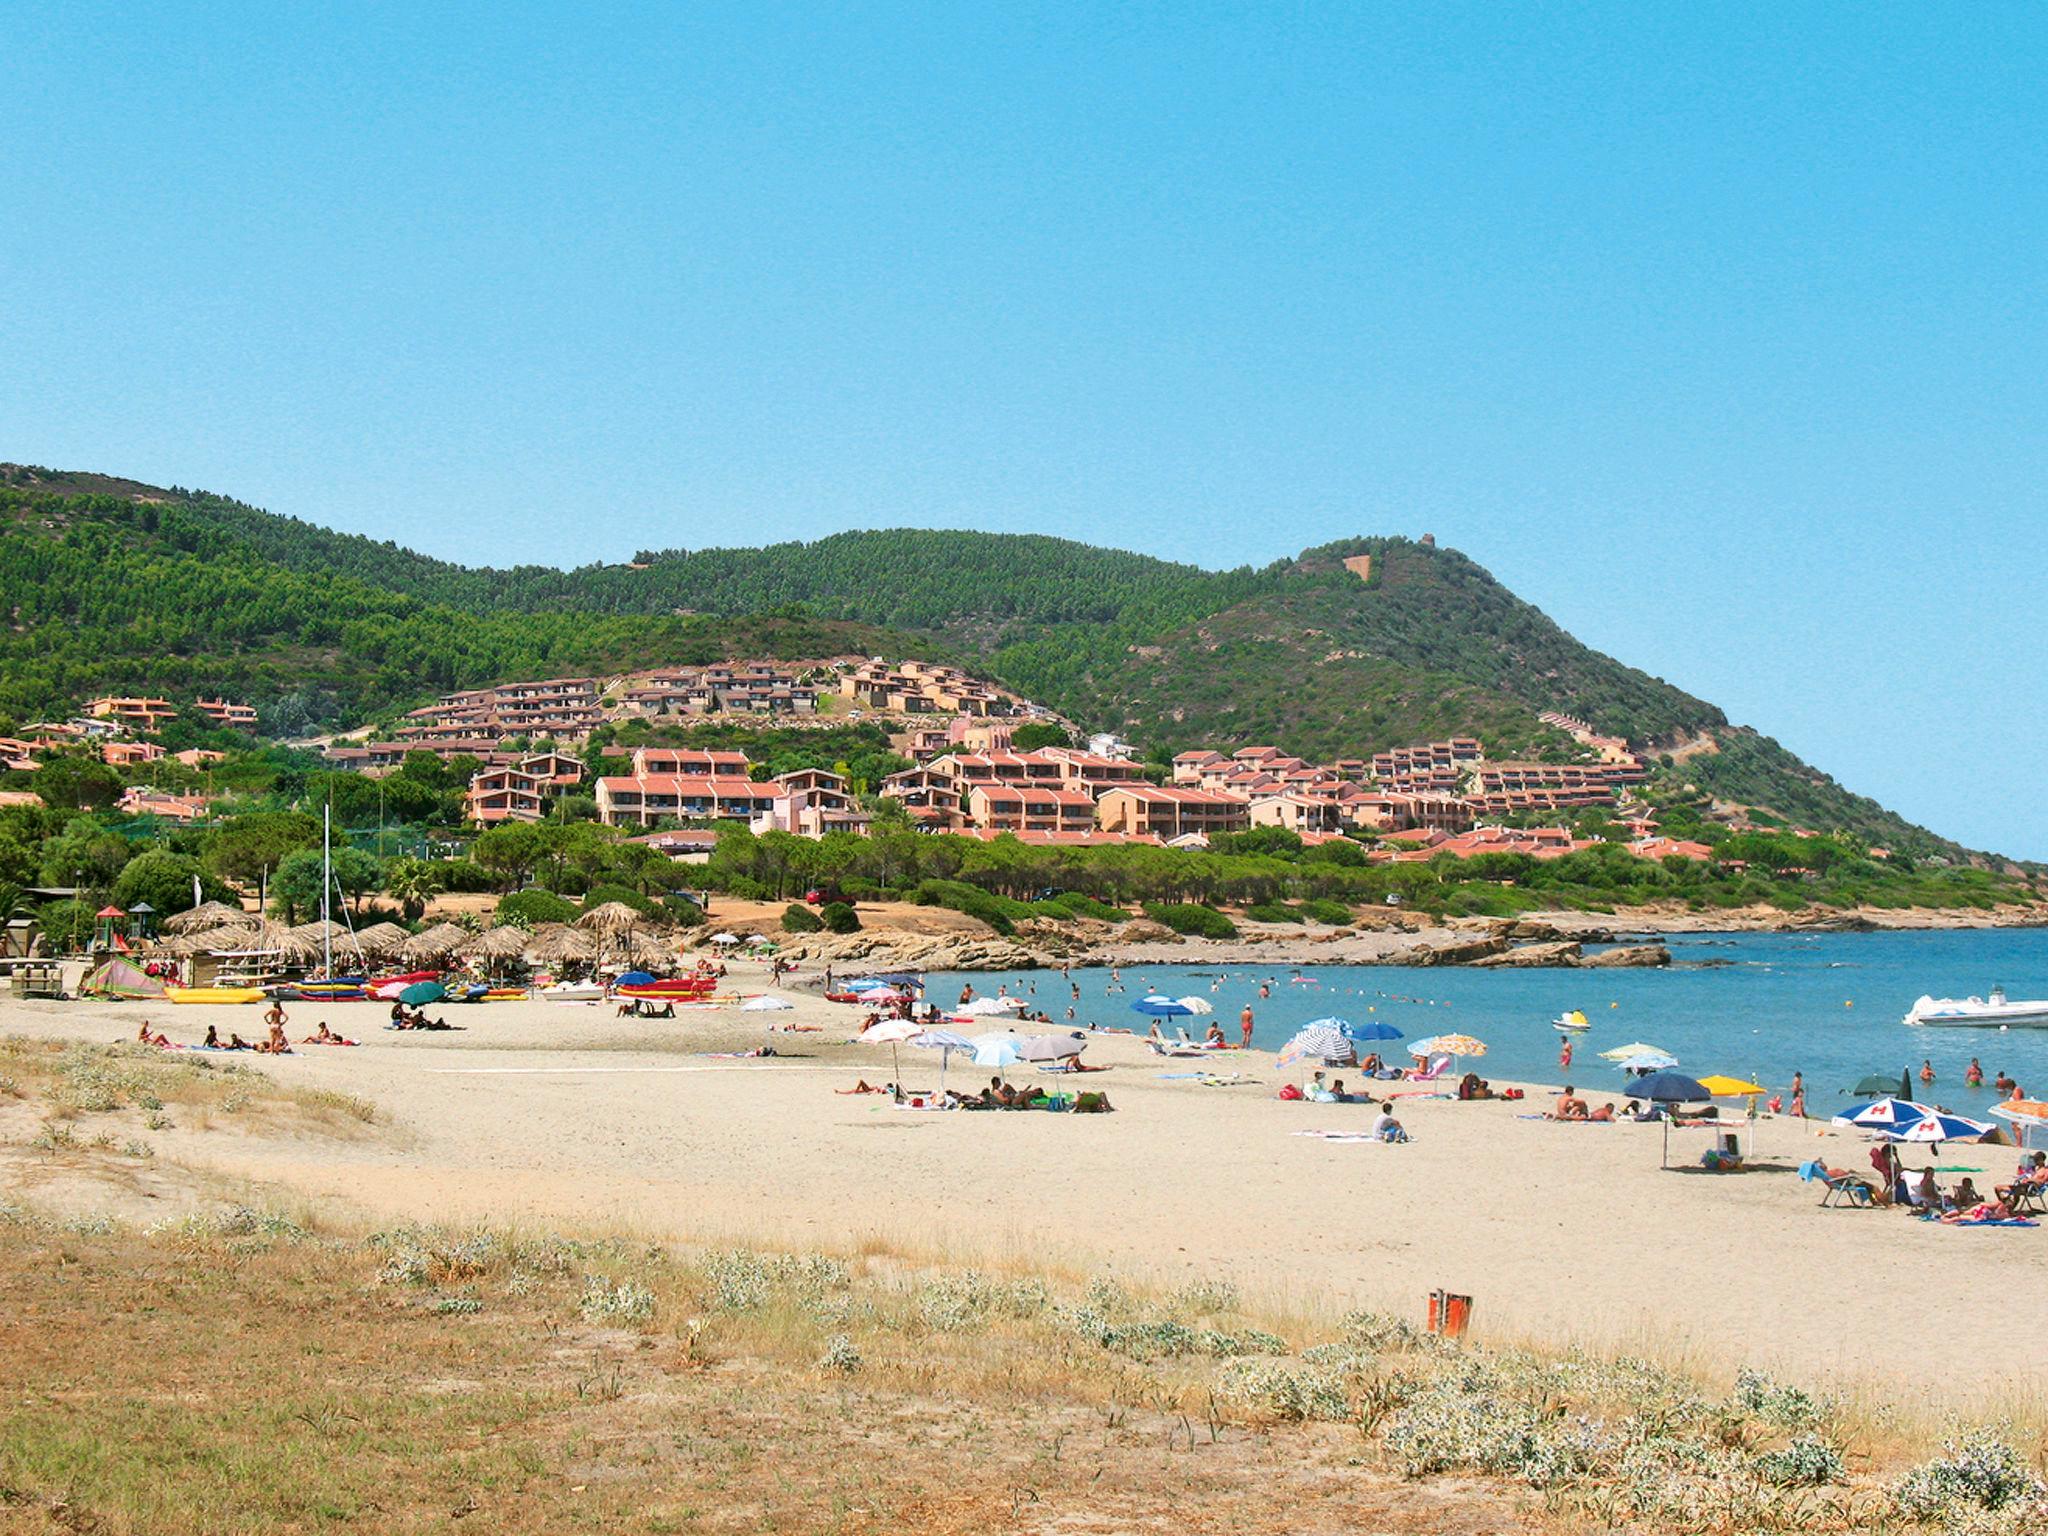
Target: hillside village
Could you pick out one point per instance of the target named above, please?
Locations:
(523, 745)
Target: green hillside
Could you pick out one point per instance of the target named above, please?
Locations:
(114, 584)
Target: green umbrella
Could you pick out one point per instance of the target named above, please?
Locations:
(1876, 1086)
(420, 993)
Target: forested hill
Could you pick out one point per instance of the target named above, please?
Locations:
(118, 584)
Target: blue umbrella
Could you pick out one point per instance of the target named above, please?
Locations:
(1670, 1088)
(1372, 1031)
(1319, 1041)
(636, 979)
(997, 1050)
(1161, 1007)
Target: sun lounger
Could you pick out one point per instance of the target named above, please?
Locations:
(1438, 1066)
(1842, 1189)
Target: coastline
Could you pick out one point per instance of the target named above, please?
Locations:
(1625, 937)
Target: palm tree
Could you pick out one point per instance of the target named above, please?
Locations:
(412, 883)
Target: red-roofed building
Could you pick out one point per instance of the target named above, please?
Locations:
(137, 800)
(635, 801)
(1030, 808)
(1168, 812)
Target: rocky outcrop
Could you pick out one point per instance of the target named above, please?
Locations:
(914, 952)
(1556, 952)
(1629, 955)
(1457, 951)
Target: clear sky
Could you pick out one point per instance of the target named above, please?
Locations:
(1715, 330)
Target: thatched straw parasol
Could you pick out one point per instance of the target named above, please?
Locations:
(502, 943)
(380, 941)
(208, 914)
(613, 917)
(642, 951)
(324, 936)
(558, 943)
(433, 945)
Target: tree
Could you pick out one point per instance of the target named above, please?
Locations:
(412, 883)
(295, 887)
(77, 783)
(241, 849)
(1040, 734)
(165, 880)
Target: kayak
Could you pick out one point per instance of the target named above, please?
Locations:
(345, 990)
(214, 994)
(670, 991)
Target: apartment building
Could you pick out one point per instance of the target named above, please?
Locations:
(1171, 811)
(1030, 808)
(139, 714)
(240, 717)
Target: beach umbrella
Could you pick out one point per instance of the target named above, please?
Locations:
(380, 940)
(1052, 1047)
(1648, 1062)
(208, 914)
(888, 1033)
(1670, 1088)
(421, 993)
(997, 1050)
(1449, 1045)
(1195, 1004)
(558, 943)
(1878, 1085)
(1634, 1048)
(983, 1007)
(1938, 1127)
(945, 1042)
(495, 945)
(1886, 1114)
(433, 944)
(636, 979)
(864, 984)
(1161, 1007)
(767, 1002)
(612, 917)
(1318, 1041)
(1373, 1030)
(723, 938)
(1730, 1087)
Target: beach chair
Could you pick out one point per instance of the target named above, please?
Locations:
(1843, 1190)
(1439, 1064)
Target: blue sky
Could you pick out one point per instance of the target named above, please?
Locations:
(1716, 331)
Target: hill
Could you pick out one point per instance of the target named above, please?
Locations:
(115, 584)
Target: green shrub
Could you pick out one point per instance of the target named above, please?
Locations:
(1321, 910)
(465, 875)
(1189, 918)
(798, 918)
(839, 917)
(530, 908)
(999, 912)
(1075, 904)
(683, 912)
(1272, 912)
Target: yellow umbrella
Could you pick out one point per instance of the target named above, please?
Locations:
(1451, 1045)
(1730, 1087)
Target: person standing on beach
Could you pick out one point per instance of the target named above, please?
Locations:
(1244, 1023)
(1799, 1094)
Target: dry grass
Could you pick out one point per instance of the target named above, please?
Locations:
(158, 1089)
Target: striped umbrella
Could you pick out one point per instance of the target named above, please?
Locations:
(945, 1042)
(1319, 1042)
(1909, 1120)
(1162, 1007)
(1940, 1126)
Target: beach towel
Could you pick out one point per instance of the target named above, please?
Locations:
(1365, 1136)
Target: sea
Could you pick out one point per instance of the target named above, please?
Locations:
(1755, 1006)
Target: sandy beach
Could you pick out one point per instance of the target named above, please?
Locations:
(565, 1114)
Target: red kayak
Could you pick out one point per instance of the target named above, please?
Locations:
(387, 988)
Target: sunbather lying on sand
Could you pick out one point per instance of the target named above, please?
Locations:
(862, 1085)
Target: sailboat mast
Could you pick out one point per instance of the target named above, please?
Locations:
(326, 883)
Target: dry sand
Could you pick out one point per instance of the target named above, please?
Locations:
(565, 1114)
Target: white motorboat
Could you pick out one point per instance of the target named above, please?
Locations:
(1571, 1023)
(1994, 1012)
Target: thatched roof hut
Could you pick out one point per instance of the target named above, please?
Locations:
(380, 941)
(642, 951)
(613, 917)
(496, 944)
(208, 914)
(434, 945)
(312, 941)
(559, 944)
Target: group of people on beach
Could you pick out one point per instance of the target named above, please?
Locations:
(1895, 1185)
(274, 1043)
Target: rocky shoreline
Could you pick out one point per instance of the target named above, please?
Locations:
(1548, 939)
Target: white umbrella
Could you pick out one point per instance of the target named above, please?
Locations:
(888, 1032)
(724, 938)
(985, 1006)
(767, 1002)
(1195, 1004)
(945, 1042)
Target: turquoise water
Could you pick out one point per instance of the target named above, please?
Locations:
(1760, 1006)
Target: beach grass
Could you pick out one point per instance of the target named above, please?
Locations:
(246, 1368)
